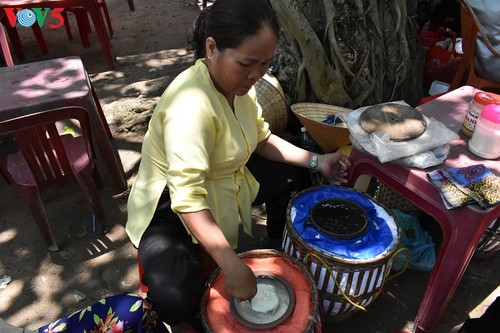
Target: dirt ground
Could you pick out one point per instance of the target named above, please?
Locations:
(150, 45)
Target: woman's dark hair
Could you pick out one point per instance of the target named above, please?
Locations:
(230, 22)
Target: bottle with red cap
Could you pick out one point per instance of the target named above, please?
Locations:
(485, 141)
(480, 100)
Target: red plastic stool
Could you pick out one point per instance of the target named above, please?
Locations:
(143, 289)
(207, 262)
(83, 23)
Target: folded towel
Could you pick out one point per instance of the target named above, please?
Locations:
(469, 185)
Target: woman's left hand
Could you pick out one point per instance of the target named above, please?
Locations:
(333, 166)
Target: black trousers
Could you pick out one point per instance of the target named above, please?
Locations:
(171, 263)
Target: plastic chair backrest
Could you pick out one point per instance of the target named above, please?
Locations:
(39, 140)
(478, 73)
(4, 46)
(466, 73)
(469, 32)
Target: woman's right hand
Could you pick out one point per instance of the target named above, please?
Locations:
(240, 280)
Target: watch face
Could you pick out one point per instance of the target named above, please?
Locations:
(313, 161)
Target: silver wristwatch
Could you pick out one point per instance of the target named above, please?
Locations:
(313, 162)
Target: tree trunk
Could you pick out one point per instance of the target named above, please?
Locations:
(349, 53)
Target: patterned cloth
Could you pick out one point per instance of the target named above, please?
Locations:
(469, 185)
(123, 313)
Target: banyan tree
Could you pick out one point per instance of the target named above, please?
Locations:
(349, 53)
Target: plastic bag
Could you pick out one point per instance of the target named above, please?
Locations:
(381, 232)
(426, 159)
(418, 241)
(379, 144)
(442, 58)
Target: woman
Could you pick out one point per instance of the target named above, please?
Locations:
(207, 156)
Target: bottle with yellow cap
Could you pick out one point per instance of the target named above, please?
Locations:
(480, 100)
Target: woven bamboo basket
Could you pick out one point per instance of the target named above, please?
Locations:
(393, 200)
(328, 137)
(362, 279)
(271, 98)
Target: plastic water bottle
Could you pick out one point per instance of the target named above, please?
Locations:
(485, 141)
(306, 141)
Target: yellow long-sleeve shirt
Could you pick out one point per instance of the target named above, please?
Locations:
(198, 147)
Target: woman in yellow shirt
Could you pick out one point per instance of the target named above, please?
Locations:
(207, 157)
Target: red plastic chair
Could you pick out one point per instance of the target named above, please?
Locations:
(16, 41)
(466, 71)
(83, 23)
(46, 159)
(4, 46)
(91, 7)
